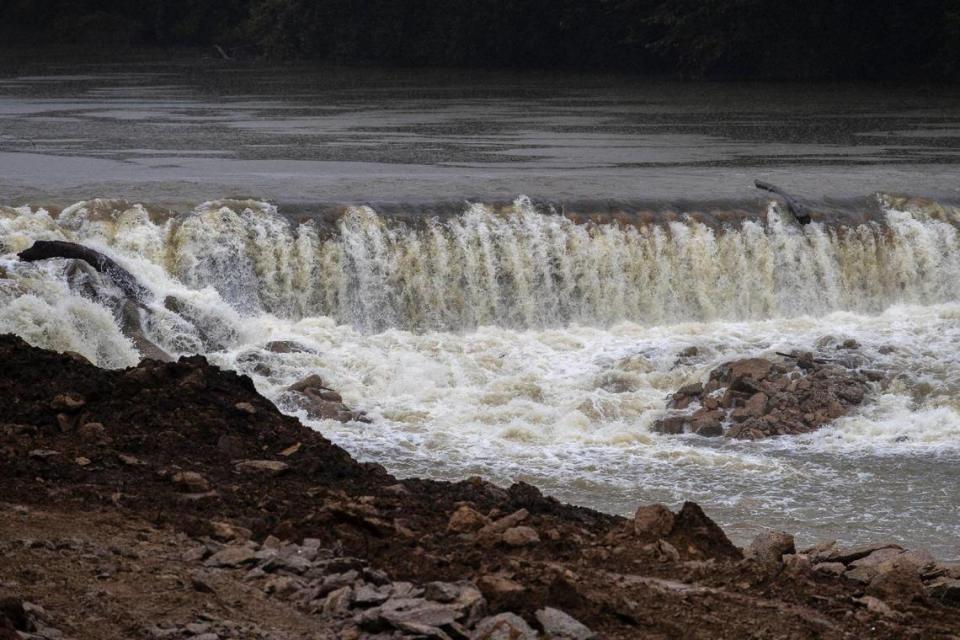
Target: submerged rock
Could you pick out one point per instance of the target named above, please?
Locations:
(320, 401)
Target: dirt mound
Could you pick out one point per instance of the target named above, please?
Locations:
(266, 503)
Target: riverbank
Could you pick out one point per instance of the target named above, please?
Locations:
(172, 500)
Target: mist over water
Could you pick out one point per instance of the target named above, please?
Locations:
(518, 344)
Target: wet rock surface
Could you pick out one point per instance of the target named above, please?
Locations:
(193, 518)
(761, 397)
(320, 402)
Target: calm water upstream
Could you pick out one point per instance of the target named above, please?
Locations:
(406, 227)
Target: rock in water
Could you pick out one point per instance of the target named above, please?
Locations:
(756, 398)
(320, 401)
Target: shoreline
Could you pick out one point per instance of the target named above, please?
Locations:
(190, 463)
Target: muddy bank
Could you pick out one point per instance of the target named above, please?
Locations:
(200, 478)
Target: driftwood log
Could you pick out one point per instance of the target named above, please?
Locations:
(46, 249)
(799, 211)
(134, 292)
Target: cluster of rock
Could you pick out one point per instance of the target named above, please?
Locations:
(363, 602)
(887, 573)
(209, 627)
(758, 397)
(20, 620)
(314, 396)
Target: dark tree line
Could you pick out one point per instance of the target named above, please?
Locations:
(721, 38)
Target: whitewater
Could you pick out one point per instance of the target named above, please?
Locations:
(516, 343)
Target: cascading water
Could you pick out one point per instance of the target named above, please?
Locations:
(519, 344)
(530, 270)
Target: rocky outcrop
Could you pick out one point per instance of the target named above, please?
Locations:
(759, 397)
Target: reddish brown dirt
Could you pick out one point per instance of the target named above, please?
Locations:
(160, 419)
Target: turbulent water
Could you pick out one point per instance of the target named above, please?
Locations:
(516, 343)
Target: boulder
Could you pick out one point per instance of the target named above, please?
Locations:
(945, 590)
(69, 402)
(877, 606)
(495, 529)
(92, 432)
(368, 596)
(896, 582)
(264, 467)
(755, 369)
(769, 547)
(654, 520)
(866, 568)
(314, 386)
(707, 423)
(78, 357)
(921, 559)
(756, 405)
(520, 536)
(320, 402)
(441, 591)
(226, 532)
(557, 624)
(191, 482)
(287, 346)
(848, 555)
(796, 563)
(830, 568)
(466, 520)
(665, 551)
(503, 626)
(232, 557)
(423, 614)
(495, 585)
(66, 422)
(671, 424)
(245, 407)
(338, 601)
(700, 537)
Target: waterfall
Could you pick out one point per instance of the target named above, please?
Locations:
(517, 267)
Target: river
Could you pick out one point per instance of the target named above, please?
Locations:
(427, 237)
